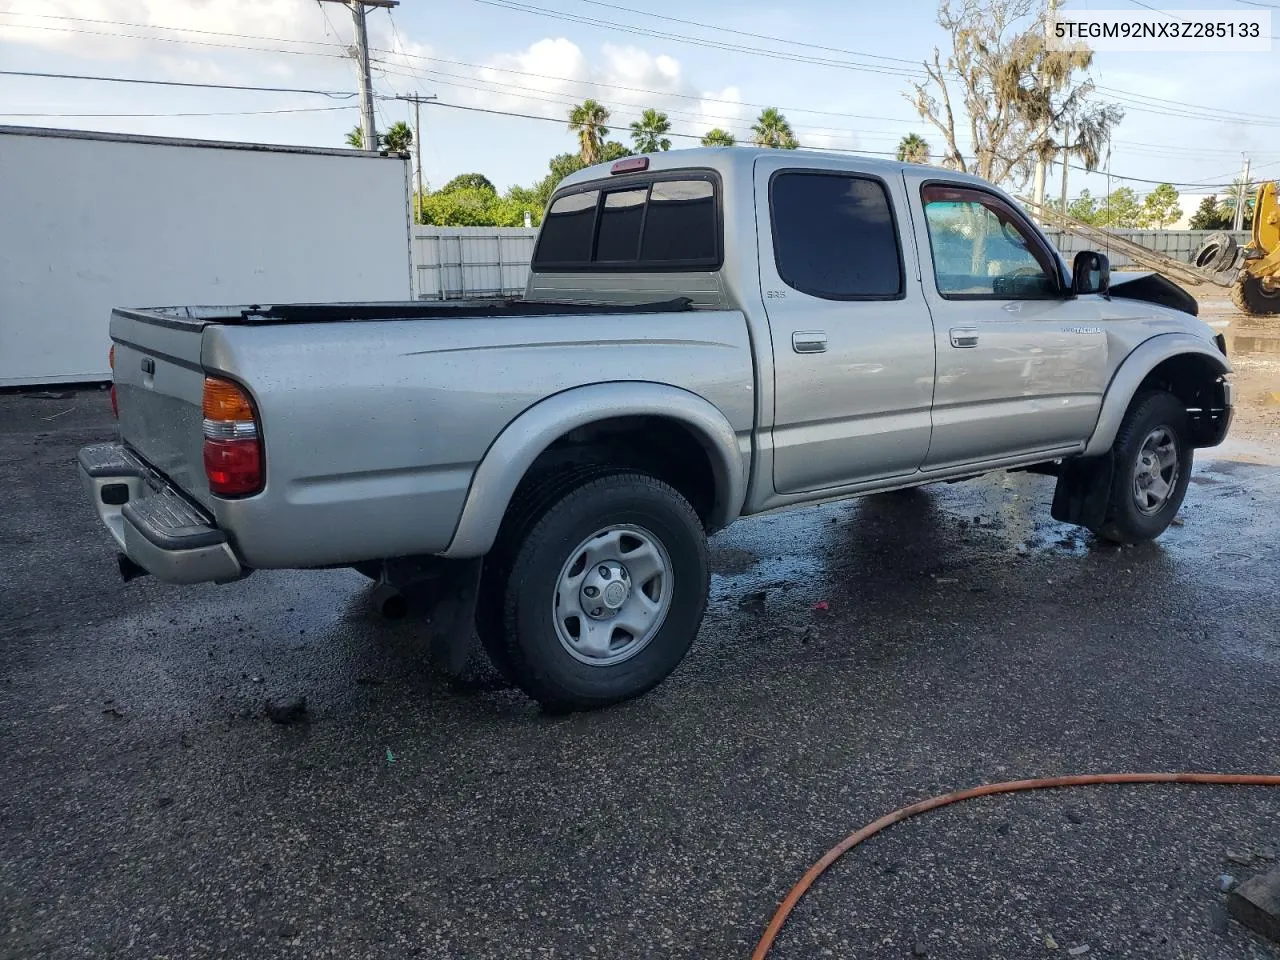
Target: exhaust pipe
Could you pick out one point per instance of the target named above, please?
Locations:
(391, 603)
(130, 570)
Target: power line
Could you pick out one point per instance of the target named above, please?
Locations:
(199, 43)
(157, 26)
(222, 113)
(334, 94)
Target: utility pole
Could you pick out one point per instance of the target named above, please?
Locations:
(1237, 222)
(368, 129)
(417, 100)
(1042, 172)
(1066, 167)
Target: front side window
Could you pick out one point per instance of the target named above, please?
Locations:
(982, 249)
(834, 236)
(656, 225)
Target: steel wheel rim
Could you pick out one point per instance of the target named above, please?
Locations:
(1155, 475)
(613, 595)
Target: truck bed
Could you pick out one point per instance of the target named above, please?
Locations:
(285, 313)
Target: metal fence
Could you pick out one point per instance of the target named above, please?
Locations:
(453, 263)
(1178, 244)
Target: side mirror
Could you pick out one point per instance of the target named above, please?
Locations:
(1090, 273)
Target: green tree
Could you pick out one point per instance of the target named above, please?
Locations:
(613, 150)
(719, 138)
(588, 121)
(771, 129)
(355, 138)
(647, 133)
(1120, 210)
(1231, 198)
(398, 138)
(526, 198)
(469, 181)
(913, 149)
(1210, 216)
(1160, 207)
(1084, 208)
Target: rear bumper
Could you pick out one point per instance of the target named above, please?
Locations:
(152, 523)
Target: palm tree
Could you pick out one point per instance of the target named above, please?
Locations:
(913, 149)
(355, 138)
(398, 138)
(647, 132)
(771, 129)
(719, 138)
(588, 121)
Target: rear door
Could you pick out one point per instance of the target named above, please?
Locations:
(852, 340)
(1022, 365)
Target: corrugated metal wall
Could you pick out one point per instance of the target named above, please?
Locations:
(1179, 244)
(454, 263)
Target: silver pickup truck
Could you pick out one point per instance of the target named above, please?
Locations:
(706, 334)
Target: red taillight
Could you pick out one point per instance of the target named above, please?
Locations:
(232, 445)
(630, 165)
(111, 361)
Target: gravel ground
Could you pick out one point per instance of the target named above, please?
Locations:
(148, 808)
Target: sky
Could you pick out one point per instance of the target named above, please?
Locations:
(1189, 117)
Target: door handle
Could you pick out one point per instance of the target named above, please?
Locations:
(809, 341)
(962, 337)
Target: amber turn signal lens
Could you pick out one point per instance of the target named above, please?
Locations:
(224, 400)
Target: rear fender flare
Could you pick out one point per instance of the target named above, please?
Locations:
(1128, 378)
(509, 457)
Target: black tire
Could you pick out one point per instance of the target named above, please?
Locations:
(1248, 295)
(538, 661)
(369, 568)
(1217, 253)
(1127, 521)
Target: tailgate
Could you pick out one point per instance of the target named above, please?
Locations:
(159, 392)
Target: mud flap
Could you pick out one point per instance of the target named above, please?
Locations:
(446, 591)
(1084, 491)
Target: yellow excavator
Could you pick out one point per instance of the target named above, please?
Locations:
(1256, 288)
(1252, 272)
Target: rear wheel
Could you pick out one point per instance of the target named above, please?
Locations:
(605, 592)
(1153, 457)
(1250, 295)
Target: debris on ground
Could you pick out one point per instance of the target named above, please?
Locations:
(1225, 882)
(391, 757)
(1049, 942)
(1256, 904)
(1079, 951)
(293, 710)
(753, 602)
(822, 605)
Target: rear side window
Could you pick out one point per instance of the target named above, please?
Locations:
(834, 236)
(651, 225)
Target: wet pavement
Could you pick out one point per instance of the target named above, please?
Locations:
(855, 657)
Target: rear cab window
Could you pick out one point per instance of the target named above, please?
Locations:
(652, 223)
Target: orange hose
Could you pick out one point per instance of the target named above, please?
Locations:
(1013, 786)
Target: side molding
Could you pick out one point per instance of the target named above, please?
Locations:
(1133, 371)
(528, 435)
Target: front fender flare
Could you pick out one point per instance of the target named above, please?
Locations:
(509, 457)
(1145, 358)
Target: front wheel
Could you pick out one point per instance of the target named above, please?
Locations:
(1153, 457)
(605, 593)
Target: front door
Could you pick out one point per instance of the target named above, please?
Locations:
(1022, 365)
(852, 339)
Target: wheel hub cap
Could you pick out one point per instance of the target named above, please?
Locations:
(613, 595)
(1155, 474)
(605, 589)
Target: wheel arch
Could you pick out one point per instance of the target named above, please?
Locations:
(539, 428)
(1181, 363)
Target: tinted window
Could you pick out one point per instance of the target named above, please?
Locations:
(834, 236)
(681, 225)
(620, 221)
(568, 230)
(981, 249)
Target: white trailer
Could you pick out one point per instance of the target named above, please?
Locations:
(92, 221)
